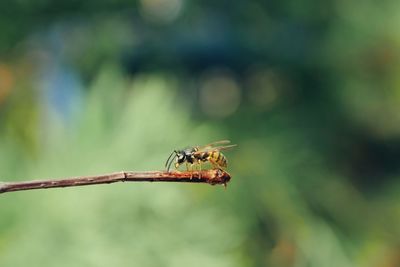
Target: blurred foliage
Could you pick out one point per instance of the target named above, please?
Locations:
(308, 90)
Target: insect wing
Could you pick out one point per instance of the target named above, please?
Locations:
(213, 144)
(225, 147)
(210, 149)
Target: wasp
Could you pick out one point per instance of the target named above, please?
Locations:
(200, 154)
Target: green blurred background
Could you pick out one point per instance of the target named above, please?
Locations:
(309, 90)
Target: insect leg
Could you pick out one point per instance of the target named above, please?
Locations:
(189, 167)
(214, 163)
(199, 162)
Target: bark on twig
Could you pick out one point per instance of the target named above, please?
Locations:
(213, 177)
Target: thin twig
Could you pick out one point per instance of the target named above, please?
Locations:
(213, 177)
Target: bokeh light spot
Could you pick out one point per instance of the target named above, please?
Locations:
(265, 88)
(219, 95)
(161, 10)
(6, 81)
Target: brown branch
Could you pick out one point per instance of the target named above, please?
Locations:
(212, 177)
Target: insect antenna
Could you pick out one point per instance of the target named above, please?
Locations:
(170, 160)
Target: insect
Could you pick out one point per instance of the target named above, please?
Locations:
(200, 154)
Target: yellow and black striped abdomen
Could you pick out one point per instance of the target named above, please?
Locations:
(216, 157)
